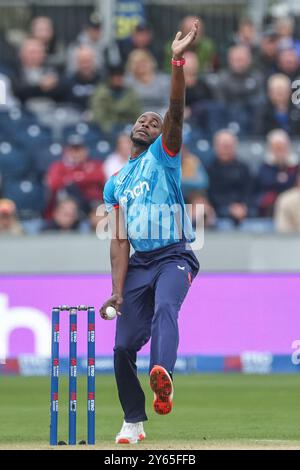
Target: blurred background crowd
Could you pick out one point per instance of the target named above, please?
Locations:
(68, 106)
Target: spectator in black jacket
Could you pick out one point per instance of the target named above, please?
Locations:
(241, 88)
(230, 182)
(279, 112)
(239, 83)
(267, 58)
(78, 88)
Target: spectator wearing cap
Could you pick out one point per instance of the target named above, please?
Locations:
(35, 79)
(230, 183)
(115, 103)
(92, 36)
(247, 35)
(287, 209)
(77, 88)
(141, 38)
(267, 57)
(203, 46)
(76, 175)
(288, 63)
(278, 173)
(279, 112)
(285, 28)
(116, 160)
(151, 86)
(9, 224)
(66, 217)
(42, 29)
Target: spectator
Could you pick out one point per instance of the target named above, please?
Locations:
(287, 209)
(277, 174)
(151, 86)
(35, 79)
(141, 38)
(116, 160)
(241, 87)
(267, 57)
(285, 28)
(77, 175)
(230, 184)
(92, 36)
(78, 88)
(9, 224)
(239, 83)
(197, 90)
(114, 103)
(279, 112)
(203, 46)
(247, 35)
(42, 29)
(65, 217)
(288, 63)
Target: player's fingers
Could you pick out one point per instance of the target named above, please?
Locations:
(103, 313)
(178, 35)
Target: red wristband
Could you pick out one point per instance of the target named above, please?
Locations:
(179, 62)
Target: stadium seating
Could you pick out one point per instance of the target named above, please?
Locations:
(14, 162)
(91, 133)
(46, 156)
(28, 196)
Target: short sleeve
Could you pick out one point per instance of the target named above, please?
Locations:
(160, 151)
(109, 196)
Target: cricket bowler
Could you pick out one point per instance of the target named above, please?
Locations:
(149, 287)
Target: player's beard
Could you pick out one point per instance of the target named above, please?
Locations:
(141, 142)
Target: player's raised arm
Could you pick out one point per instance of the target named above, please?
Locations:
(173, 121)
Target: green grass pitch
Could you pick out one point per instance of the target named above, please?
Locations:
(210, 411)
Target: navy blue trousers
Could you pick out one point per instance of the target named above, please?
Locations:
(156, 285)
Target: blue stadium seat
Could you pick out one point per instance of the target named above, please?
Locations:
(33, 137)
(45, 156)
(14, 162)
(91, 133)
(202, 148)
(28, 196)
(14, 120)
(100, 150)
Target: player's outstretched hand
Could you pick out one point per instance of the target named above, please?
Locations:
(115, 301)
(180, 45)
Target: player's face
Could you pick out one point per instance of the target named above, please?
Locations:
(146, 129)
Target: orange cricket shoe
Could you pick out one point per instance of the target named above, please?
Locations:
(162, 387)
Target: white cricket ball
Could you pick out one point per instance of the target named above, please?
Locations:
(111, 313)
